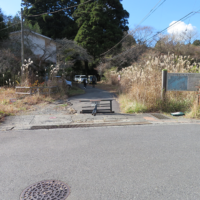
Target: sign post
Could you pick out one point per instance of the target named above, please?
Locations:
(164, 84)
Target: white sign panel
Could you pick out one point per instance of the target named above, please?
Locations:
(183, 81)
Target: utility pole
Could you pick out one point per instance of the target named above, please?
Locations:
(22, 40)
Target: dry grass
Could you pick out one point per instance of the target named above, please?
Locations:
(195, 111)
(12, 104)
(140, 85)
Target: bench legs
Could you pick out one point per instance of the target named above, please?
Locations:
(94, 112)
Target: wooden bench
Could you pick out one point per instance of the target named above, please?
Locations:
(34, 90)
(98, 103)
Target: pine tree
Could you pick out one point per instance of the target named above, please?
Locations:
(3, 32)
(101, 25)
(10, 21)
(56, 25)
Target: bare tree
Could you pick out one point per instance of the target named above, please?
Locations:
(177, 44)
(190, 35)
(143, 34)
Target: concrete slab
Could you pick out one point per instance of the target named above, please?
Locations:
(51, 119)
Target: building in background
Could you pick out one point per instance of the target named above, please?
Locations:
(43, 47)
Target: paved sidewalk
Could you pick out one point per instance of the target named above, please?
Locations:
(27, 122)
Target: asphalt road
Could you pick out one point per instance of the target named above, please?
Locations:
(154, 162)
(91, 94)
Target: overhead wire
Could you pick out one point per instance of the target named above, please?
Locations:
(46, 13)
(57, 10)
(10, 26)
(146, 17)
(176, 23)
(151, 12)
(190, 17)
(158, 6)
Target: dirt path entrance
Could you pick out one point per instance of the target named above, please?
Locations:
(93, 93)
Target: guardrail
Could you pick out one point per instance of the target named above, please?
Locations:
(36, 90)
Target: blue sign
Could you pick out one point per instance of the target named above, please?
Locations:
(183, 81)
(177, 83)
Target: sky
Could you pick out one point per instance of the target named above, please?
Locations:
(168, 13)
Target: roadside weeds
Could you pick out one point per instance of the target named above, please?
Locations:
(13, 104)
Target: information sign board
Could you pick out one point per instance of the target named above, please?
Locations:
(183, 81)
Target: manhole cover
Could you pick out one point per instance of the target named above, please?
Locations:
(159, 116)
(46, 190)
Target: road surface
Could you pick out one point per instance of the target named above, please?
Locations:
(154, 162)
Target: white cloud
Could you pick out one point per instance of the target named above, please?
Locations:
(180, 29)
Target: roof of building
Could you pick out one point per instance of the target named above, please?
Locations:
(35, 34)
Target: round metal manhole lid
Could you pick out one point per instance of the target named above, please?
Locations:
(46, 190)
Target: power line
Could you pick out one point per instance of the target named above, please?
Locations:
(158, 6)
(183, 18)
(10, 26)
(57, 10)
(190, 17)
(147, 16)
(176, 23)
(151, 12)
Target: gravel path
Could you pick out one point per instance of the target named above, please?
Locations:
(58, 107)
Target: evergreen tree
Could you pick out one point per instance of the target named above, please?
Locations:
(3, 33)
(101, 25)
(56, 25)
(196, 43)
(10, 21)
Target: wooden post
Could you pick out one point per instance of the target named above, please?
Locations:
(110, 105)
(164, 84)
(30, 91)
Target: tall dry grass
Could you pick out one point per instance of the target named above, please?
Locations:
(141, 84)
